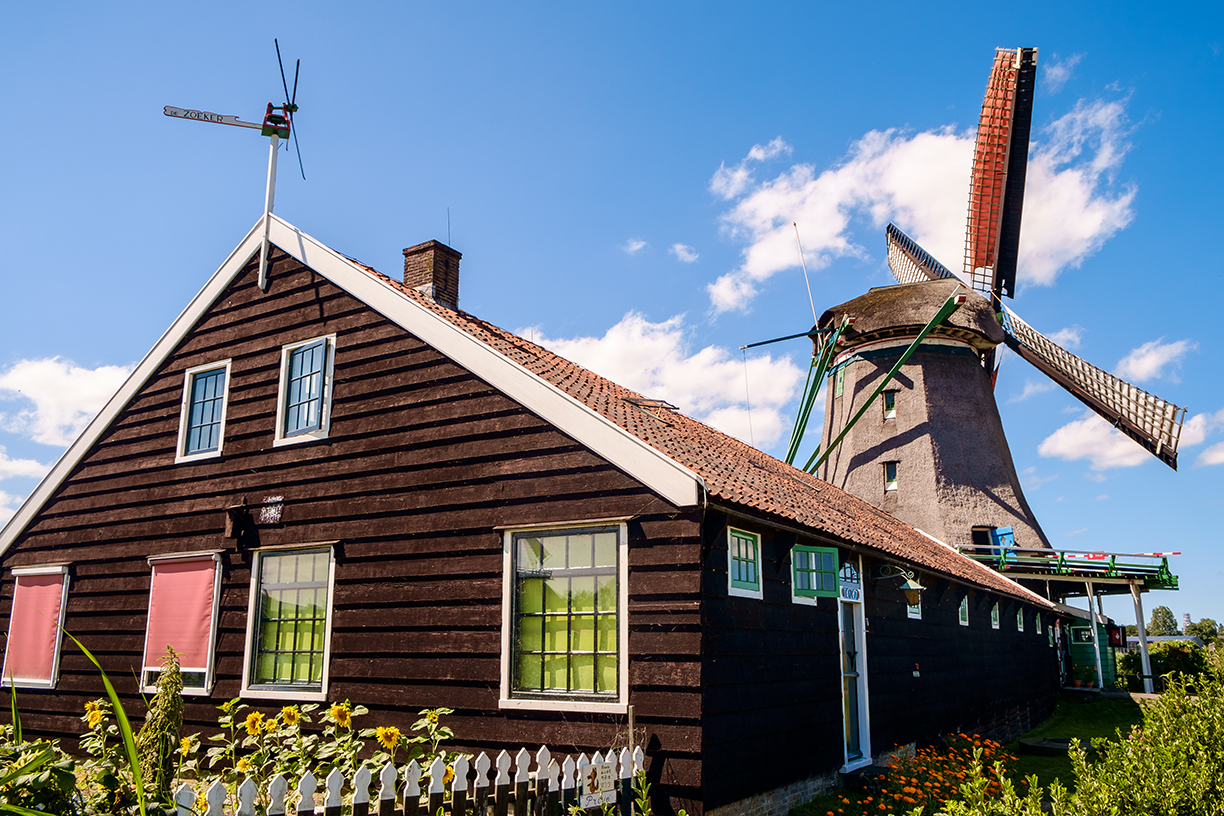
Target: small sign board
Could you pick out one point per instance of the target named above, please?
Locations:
(598, 785)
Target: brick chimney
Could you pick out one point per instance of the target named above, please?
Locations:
(432, 268)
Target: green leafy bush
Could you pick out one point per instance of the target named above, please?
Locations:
(1167, 656)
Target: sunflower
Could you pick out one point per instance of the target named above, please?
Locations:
(91, 707)
(388, 736)
(449, 776)
(184, 747)
(341, 715)
(433, 717)
(253, 722)
(95, 717)
(243, 766)
(291, 716)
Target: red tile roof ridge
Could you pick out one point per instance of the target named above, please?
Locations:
(767, 485)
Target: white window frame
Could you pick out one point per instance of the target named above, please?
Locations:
(889, 413)
(262, 692)
(891, 485)
(619, 705)
(180, 454)
(1020, 619)
(994, 616)
(746, 592)
(282, 392)
(43, 569)
(963, 611)
(211, 670)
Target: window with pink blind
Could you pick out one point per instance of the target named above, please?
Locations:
(182, 615)
(32, 651)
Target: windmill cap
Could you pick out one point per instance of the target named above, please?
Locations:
(905, 308)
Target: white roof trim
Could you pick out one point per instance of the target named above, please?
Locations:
(671, 480)
(988, 571)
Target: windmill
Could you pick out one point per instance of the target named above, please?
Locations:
(278, 124)
(911, 422)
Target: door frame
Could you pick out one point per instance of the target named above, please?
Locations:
(850, 591)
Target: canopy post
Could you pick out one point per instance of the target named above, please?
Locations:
(1146, 660)
(1096, 637)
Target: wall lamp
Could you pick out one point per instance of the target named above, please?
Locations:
(910, 586)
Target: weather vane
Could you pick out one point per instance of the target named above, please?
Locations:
(277, 123)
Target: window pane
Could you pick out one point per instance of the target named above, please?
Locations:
(556, 634)
(606, 667)
(204, 411)
(606, 594)
(582, 591)
(531, 595)
(605, 549)
(607, 633)
(293, 618)
(582, 677)
(529, 671)
(304, 388)
(582, 633)
(556, 672)
(529, 553)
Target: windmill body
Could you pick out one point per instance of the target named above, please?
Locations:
(932, 452)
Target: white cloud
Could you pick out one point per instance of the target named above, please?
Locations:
(684, 253)
(1149, 361)
(729, 182)
(1212, 456)
(920, 181)
(1091, 437)
(655, 360)
(1068, 338)
(1032, 387)
(1055, 73)
(10, 468)
(1075, 532)
(8, 506)
(59, 397)
(633, 246)
(1102, 497)
(1198, 427)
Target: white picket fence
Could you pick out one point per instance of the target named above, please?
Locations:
(548, 790)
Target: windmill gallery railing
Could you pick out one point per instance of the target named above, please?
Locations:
(505, 785)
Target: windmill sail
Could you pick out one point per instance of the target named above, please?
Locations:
(911, 263)
(1152, 422)
(1000, 158)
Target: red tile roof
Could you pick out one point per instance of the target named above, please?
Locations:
(733, 472)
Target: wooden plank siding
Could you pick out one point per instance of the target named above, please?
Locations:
(422, 462)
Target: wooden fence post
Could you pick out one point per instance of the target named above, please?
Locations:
(361, 792)
(246, 797)
(554, 788)
(437, 786)
(331, 801)
(306, 788)
(501, 787)
(412, 788)
(480, 793)
(522, 783)
(626, 782)
(459, 788)
(386, 791)
(567, 783)
(278, 788)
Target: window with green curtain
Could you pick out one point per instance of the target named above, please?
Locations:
(291, 626)
(566, 612)
(994, 616)
(814, 571)
(964, 611)
(745, 559)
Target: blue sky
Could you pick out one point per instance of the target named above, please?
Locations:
(621, 180)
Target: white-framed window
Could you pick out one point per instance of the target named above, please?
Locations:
(743, 563)
(1037, 625)
(914, 611)
(1020, 619)
(202, 417)
(303, 409)
(289, 623)
(890, 404)
(814, 573)
(963, 615)
(890, 475)
(183, 594)
(994, 616)
(565, 618)
(32, 651)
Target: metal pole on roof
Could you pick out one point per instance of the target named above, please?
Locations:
(1096, 637)
(1145, 660)
(269, 199)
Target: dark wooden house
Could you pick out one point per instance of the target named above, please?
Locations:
(343, 487)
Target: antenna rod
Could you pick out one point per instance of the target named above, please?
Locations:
(815, 319)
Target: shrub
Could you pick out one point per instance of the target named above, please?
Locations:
(1167, 656)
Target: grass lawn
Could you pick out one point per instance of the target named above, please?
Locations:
(1076, 715)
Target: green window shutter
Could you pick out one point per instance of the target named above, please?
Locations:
(745, 560)
(964, 611)
(814, 571)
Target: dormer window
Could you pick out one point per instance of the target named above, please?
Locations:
(202, 421)
(304, 410)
